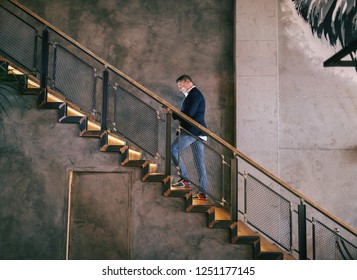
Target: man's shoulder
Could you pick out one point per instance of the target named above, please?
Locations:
(195, 92)
(195, 89)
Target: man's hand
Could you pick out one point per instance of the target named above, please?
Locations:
(167, 110)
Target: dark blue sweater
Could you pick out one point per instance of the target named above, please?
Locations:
(194, 106)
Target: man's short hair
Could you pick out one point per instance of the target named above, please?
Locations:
(184, 78)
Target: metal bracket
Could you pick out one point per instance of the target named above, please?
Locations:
(336, 59)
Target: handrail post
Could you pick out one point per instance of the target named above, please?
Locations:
(234, 189)
(44, 58)
(302, 231)
(168, 144)
(313, 238)
(105, 105)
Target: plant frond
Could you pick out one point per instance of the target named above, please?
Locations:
(335, 20)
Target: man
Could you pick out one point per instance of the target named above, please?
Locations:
(193, 106)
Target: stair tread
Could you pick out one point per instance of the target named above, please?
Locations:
(265, 245)
(221, 214)
(52, 98)
(112, 140)
(132, 154)
(13, 71)
(198, 202)
(32, 82)
(93, 126)
(175, 193)
(180, 189)
(73, 113)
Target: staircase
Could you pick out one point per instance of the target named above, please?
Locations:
(276, 224)
(129, 156)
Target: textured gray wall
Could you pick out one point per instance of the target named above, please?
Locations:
(156, 41)
(100, 216)
(153, 42)
(114, 215)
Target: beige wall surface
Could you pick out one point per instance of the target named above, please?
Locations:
(295, 117)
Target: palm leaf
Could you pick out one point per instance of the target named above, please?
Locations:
(7, 92)
(336, 20)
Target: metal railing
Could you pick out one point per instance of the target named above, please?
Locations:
(235, 182)
(211, 174)
(75, 79)
(132, 117)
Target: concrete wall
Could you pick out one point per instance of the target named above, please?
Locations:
(113, 214)
(153, 44)
(295, 117)
(256, 75)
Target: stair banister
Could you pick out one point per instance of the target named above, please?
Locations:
(302, 231)
(234, 188)
(44, 58)
(168, 117)
(105, 105)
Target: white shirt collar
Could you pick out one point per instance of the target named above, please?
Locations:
(188, 91)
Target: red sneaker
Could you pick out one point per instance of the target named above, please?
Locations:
(182, 184)
(201, 196)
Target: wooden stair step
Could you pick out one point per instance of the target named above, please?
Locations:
(171, 191)
(131, 158)
(66, 114)
(247, 236)
(13, 71)
(150, 173)
(89, 128)
(176, 192)
(196, 205)
(49, 101)
(219, 218)
(110, 143)
(33, 83)
(32, 86)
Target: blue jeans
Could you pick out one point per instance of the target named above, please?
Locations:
(198, 157)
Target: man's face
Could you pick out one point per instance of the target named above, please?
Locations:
(183, 86)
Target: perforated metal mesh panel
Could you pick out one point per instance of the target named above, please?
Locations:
(268, 211)
(17, 39)
(136, 120)
(329, 245)
(75, 79)
(213, 163)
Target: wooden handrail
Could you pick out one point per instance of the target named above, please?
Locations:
(189, 120)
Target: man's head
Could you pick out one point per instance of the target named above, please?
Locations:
(184, 83)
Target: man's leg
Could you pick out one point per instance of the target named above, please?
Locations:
(178, 145)
(199, 159)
